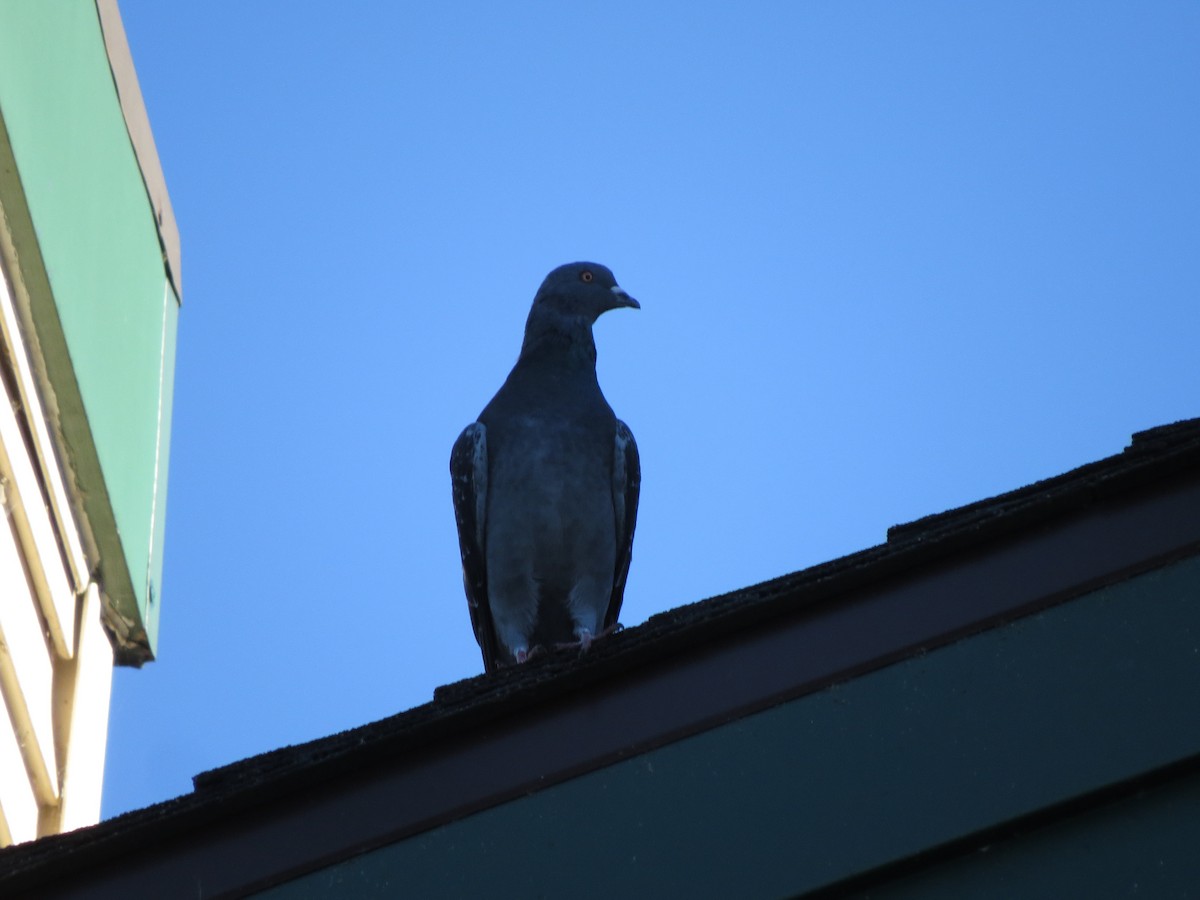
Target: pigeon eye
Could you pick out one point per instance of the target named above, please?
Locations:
(585, 276)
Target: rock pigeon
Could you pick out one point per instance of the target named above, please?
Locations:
(546, 484)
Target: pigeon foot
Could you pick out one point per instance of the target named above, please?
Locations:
(586, 639)
(521, 655)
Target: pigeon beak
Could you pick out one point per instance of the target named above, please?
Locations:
(620, 298)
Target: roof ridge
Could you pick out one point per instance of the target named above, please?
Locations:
(907, 545)
(1148, 447)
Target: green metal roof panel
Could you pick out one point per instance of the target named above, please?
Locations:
(100, 302)
(1143, 845)
(820, 789)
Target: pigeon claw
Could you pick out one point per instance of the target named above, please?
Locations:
(579, 645)
(586, 639)
(522, 655)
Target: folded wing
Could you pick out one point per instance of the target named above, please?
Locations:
(626, 487)
(468, 478)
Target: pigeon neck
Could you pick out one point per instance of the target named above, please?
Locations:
(555, 338)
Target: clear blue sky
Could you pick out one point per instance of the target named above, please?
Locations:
(892, 258)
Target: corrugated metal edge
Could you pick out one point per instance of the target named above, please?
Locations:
(137, 123)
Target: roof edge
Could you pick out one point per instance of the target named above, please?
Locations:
(137, 124)
(1174, 452)
(1155, 445)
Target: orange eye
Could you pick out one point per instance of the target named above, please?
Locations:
(585, 275)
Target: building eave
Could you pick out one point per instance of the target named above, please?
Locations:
(137, 123)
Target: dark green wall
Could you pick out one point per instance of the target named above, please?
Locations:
(1144, 845)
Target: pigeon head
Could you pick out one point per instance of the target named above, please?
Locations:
(566, 307)
(581, 291)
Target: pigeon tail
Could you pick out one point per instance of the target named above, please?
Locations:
(554, 624)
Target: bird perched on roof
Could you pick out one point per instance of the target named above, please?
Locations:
(546, 484)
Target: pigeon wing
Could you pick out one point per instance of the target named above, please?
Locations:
(626, 486)
(468, 478)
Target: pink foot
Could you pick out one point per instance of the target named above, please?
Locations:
(521, 655)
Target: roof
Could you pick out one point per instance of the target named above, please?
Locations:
(934, 581)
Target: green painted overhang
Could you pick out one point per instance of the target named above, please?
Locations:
(89, 245)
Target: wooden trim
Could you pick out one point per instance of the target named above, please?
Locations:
(83, 690)
(57, 497)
